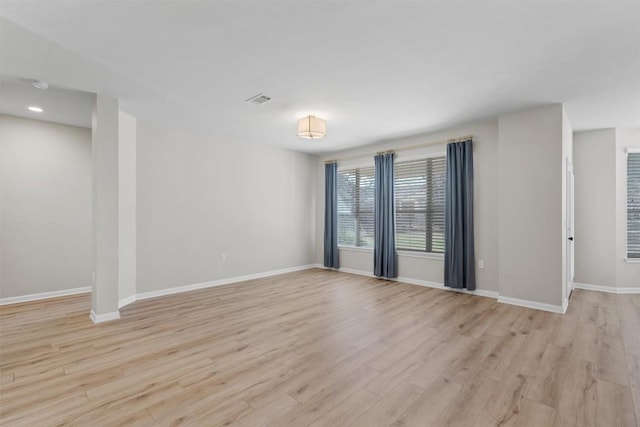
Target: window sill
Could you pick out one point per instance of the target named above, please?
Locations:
(355, 249)
(407, 254)
(427, 255)
(632, 260)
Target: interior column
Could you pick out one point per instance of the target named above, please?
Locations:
(104, 142)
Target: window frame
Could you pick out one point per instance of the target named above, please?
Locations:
(357, 206)
(629, 257)
(429, 213)
(357, 166)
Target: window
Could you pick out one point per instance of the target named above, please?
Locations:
(355, 207)
(633, 205)
(419, 192)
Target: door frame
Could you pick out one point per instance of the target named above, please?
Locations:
(570, 227)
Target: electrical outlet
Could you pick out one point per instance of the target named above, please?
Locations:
(481, 264)
(223, 257)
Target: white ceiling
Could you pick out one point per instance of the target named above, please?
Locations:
(375, 69)
(60, 105)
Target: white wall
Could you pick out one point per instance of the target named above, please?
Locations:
(485, 150)
(531, 205)
(201, 197)
(45, 220)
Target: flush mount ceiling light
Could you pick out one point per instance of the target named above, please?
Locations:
(35, 109)
(311, 127)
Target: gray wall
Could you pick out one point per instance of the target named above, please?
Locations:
(201, 197)
(197, 198)
(594, 163)
(45, 220)
(485, 137)
(627, 274)
(520, 213)
(531, 228)
(601, 216)
(105, 165)
(126, 206)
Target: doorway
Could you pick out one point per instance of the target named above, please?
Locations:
(570, 268)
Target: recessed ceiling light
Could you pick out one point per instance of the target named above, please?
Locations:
(40, 84)
(35, 109)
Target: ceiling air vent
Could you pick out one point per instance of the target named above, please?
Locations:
(259, 99)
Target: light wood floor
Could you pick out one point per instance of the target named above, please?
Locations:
(322, 348)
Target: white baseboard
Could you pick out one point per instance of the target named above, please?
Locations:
(426, 283)
(221, 282)
(535, 305)
(609, 289)
(169, 291)
(478, 292)
(105, 317)
(358, 272)
(97, 318)
(126, 301)
(44, 295)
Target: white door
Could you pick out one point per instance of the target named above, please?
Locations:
(570, 230)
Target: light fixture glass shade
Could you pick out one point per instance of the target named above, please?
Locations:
(311, 127)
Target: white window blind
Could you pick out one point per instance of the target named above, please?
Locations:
(633, 205)
(355, 207)
(419, 192)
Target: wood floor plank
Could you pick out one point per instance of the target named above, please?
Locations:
(530, 353)
(501, 358)
(404, 370)
(321, 348)
(585, 342)
(322, 402)
(439, 362)
(430, 404)
(633, 363)
(577, 403)
(52, 412)
(534, 414)
(548, 383)
(629, 320)
(503, 410)
(265, 415)
(614, 405)
(347, 411)
(6, 378)
(140, 418)
(463, 369)
(505, 318)
(564, 332)
(611, 358)
(390, 407)
(467, 404)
